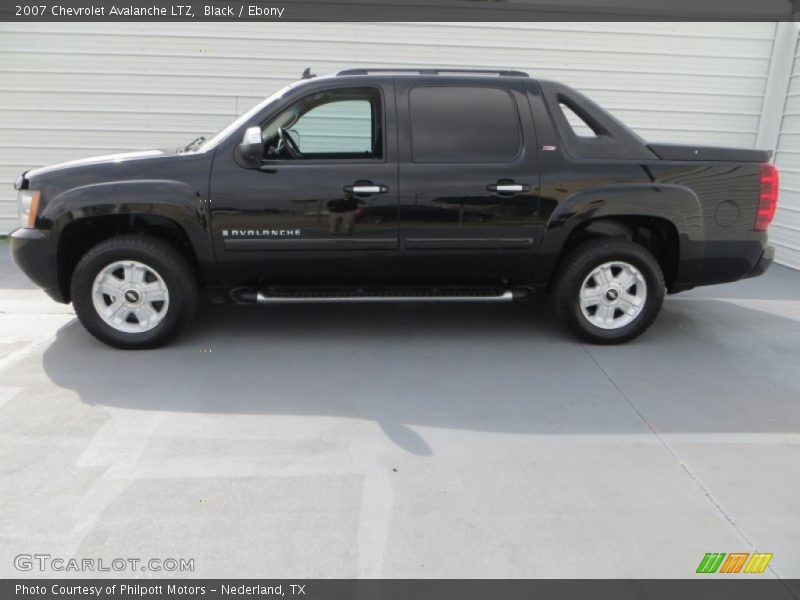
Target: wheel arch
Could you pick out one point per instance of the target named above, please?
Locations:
(170, 210)
(80, 235)
(666, 219)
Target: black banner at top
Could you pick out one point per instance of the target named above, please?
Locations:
(399, 10)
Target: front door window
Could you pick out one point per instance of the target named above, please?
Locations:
(329, 125)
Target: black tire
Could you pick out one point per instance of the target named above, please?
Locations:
(157, 254)
(579, 264)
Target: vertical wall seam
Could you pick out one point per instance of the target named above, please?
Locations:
(777, 86)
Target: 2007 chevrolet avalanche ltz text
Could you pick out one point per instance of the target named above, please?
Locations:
(398, 185)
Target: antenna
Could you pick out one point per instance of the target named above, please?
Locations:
(307, 74)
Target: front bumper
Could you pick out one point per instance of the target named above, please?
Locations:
(35, 252)
(763, 263)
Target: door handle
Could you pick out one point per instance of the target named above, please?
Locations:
(508, 187)
(366, 188)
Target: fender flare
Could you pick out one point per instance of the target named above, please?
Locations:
(676, 204)
(176, 201)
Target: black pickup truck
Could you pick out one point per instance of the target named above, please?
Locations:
(398, 185)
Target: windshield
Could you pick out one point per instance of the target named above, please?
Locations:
(224, 133)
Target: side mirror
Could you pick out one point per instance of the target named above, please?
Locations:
(252, 147)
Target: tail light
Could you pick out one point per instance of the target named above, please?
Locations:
(768, 197)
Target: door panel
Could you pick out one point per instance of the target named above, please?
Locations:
(299, 220)
(469, 182)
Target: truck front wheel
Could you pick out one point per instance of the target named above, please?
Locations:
(608, 291)
(134, 291)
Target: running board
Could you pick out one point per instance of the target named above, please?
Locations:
(278, 296)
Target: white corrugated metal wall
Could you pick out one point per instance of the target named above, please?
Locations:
(71, 90)
(785, 230)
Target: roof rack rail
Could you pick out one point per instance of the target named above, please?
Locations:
(437, 71)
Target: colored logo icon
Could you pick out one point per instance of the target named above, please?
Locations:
(736, 562)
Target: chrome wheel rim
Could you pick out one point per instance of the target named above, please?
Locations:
(613, 295)
(130, 296)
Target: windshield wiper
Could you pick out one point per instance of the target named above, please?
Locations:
(193, 144)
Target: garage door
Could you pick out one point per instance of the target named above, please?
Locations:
(78, 89)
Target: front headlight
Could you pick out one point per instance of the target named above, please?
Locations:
(28, 202)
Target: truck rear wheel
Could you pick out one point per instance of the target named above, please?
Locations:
(134, 291)
(608, 291)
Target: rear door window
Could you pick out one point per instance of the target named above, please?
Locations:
(463, 124)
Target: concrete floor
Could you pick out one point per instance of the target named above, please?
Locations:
(407, 441)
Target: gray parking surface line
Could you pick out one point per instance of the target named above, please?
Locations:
(736, 375)
(14, 356)
(674, 454)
